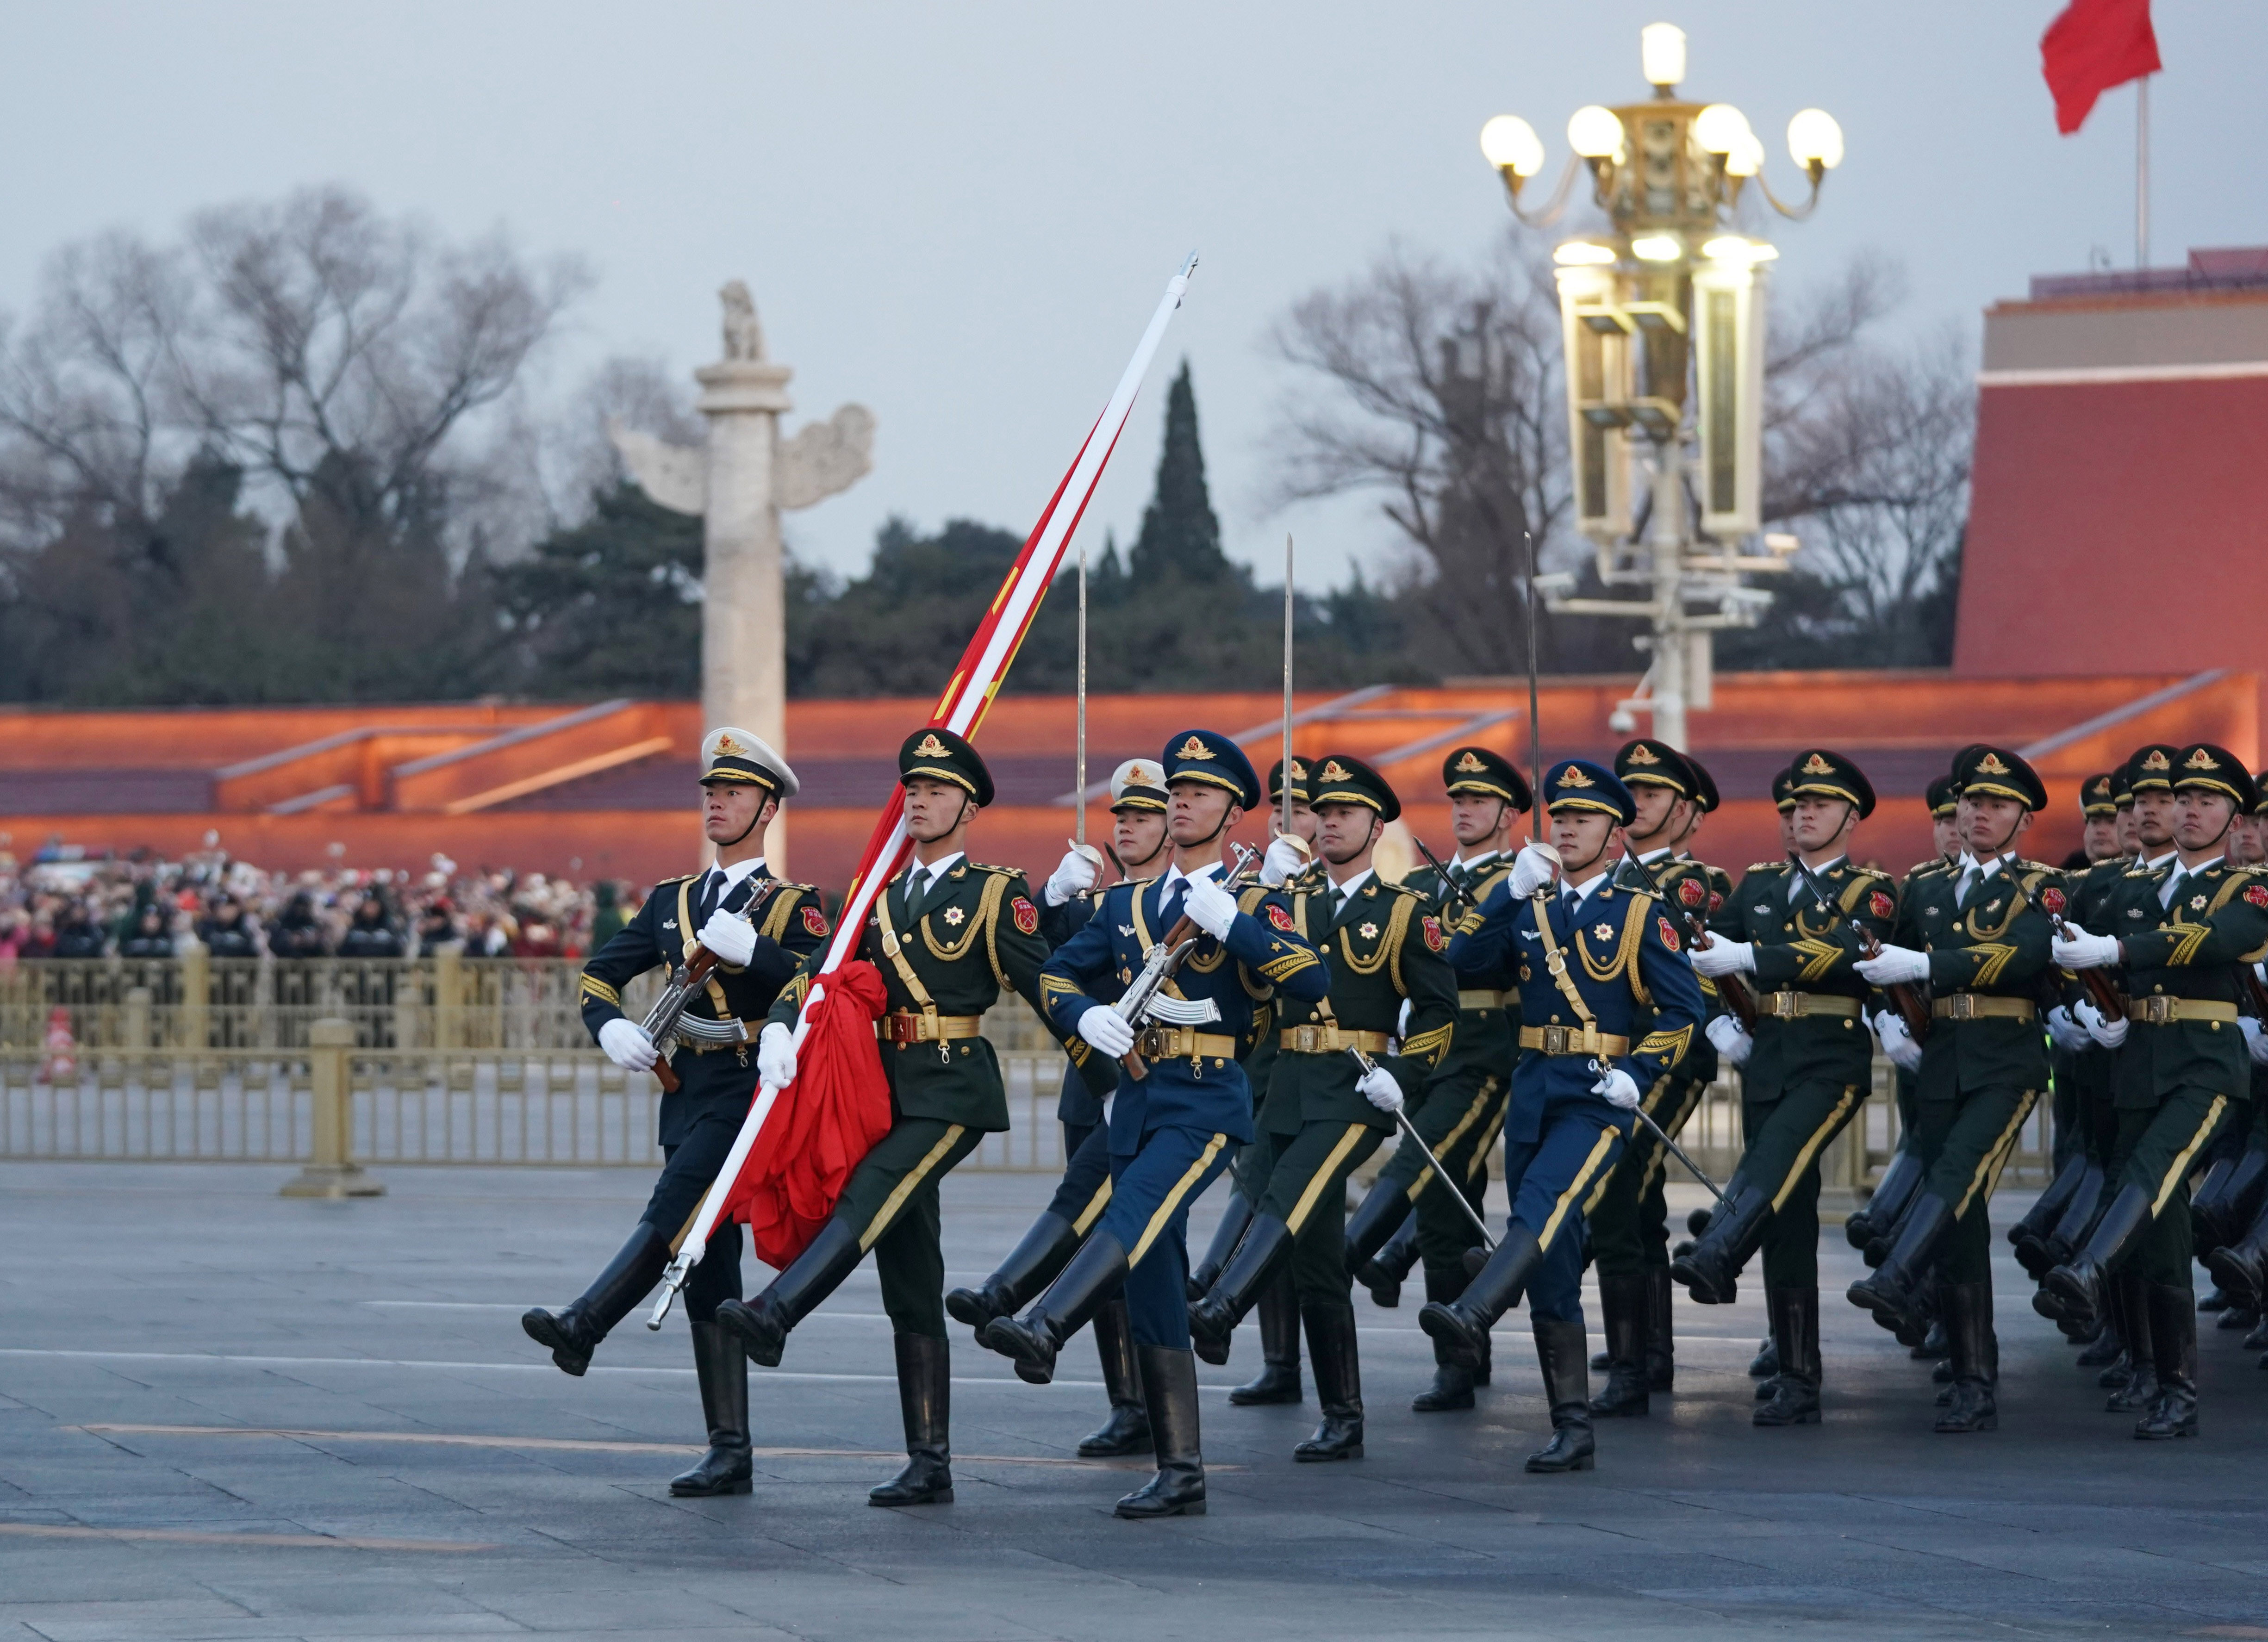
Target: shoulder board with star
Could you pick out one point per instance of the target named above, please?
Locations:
(1920, 869)
(682, 878)
(998, 871)
(1768, 866)
(1857, 871)
(1399, 890)
(801, 889)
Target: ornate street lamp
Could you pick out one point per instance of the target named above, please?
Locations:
(1663, 320)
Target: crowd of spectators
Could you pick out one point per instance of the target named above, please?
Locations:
(147, 908)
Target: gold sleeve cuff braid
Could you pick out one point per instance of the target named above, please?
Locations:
(594, 987)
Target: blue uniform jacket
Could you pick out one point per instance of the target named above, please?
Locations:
(1089, 1078)
(1263, 953)
(1619, 954)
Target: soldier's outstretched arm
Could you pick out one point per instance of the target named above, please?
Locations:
(631, 952)
(2233, 926)
(1679, 1008)
(1077, 977)
(1266, 943)
(1429, 984)
(1810, 959)
(1484, 939)
(2023, 948)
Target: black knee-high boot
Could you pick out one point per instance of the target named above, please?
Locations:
(1279, 1378)
(1339, 1382)
(721, 1366)
(1031, 1265)
(1095, 1277)
(1793, 1398)
(1560, 1353)
(2137, 1393)
(1384, 1273)
(1225, 1236)
(574, 1332)
(1453, 1379)
(1169, 1387)
(1970, 1402)
(1213, 1319)
(1623, 1303)
(925, 1400)
(2075, 1289)
(1897, 1290)
(1126, 1430)
(763, 1322)
(1463, 1324)
(1711, 1268)
(2172, 1309)
(1661, 1342)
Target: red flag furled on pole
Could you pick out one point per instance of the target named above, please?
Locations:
(2092, 46)
(960, 708)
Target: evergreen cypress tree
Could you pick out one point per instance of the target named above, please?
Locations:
(1181, 537)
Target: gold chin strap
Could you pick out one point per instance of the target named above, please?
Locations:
(1556, 961)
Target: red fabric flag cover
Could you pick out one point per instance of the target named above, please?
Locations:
(798, 1164)
(2094, 46)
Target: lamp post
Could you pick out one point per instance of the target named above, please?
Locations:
(1662, 314)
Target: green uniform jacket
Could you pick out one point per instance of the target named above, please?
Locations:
(1383, 947)
(977, 939)
(2195, 948)
(1687, 885)
(1997, 946)
(1806, 949)
(2087, 1072)
(1482, 1043)
(1259, 1062)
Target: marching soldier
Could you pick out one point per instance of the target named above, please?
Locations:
(1806, 1071)
(1628, 1213)
(1291, 860)
(1407, 1213)
(2183, 1074)
(759, 930)
(1327, 1110)
(2239, 1264)
(2076, 1064)
(1181, 1101)
(1068, 900)
(1590, 956)
(2231, 1192)
(1984, 934)
(947, 937)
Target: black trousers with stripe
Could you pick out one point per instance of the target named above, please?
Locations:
(1084, 1192)
(1149, 1214)
(1629, 1213)
(1964, 1143)
(688, 1167)
(892, 1199)
(2157, 1151)
(1785, 1139)
(1307, 1190)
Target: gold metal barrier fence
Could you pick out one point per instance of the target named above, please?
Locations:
(454, 1060)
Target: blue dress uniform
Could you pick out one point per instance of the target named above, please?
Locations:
(1586, 970)
(1089, 1080)
(1171, 1132)
(702, 1117)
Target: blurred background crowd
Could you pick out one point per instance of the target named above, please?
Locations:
(151, 908)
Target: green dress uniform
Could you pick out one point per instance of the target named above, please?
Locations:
(1985, 933)
(701, 1118)
(1805, 1076)
(2183, 1073)
(1316, 1127)
(1404, 1217)
(1628, 1213)
(946, 943)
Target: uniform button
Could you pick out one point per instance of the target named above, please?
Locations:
(1324, 948)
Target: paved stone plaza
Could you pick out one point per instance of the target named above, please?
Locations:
(227, 1414)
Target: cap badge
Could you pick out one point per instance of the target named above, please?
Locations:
(1572, 777)
(1817, 765)
(930, 747)
(2200, 760)
(1991, 765)
(1641, 754)
(726, 747)
(1470, 764)
(1334, 770)
(1192, 748)
(2157, 760)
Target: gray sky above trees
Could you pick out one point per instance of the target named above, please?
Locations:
(961, 215)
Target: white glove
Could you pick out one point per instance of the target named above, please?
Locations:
(1211, 908)
(1286, 860)
(2255, 1042)
(2109, 1033)
(2068, 1034)
(2076, 949)
(1618, 1089)
(627, 1044)
(1724, 957)
(1893, 965)
(1532, 868)
(1074, 875)
(1732, 1042)
(1898, 1043)
(775, 1056)
(1378, 1088)
(732, 938)
(1105, 1030)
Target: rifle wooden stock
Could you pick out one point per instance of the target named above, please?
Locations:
(1185, 928)
(697, 969)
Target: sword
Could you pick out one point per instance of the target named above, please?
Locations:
(1678, 1151)
(1285, 823)
(1440, 1175)
(1456, 890)
(1080, 785)
(1534, 724)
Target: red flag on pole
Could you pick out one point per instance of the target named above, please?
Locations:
(2092, 46)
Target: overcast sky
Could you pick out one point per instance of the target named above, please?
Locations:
(961, 214)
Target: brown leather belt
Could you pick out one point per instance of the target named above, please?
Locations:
(1573, 1041)
(1329, 1040)
(1981, 1006)
(1183, 1043)
(902, 1026)
(2158, 1010)
(1794, 1005)
(1480, 1001)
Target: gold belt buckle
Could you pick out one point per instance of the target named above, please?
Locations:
(2156, 1010)
(1961, 1006)
(1555, 1040)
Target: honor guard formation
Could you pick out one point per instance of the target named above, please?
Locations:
(1570, 981)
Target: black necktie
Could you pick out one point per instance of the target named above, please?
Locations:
(916, 892)
(711, 888)
(1170, 910)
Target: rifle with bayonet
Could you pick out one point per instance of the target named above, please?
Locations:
(1145, 1001)
(1730, 988)
(2099, 985)
(1912, 1008)
(667, 1025)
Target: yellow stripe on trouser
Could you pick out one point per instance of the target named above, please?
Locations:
(906, 1187)
(1477, 1170)
(1599, 1192)
(1093, 1212)
(1173, 1202)
(1820, 1137)
(1675, 1124)
(1448, 1141)
(1989, 1166)
(1306, 1204)
(2180, 1171)
(1575, 1187)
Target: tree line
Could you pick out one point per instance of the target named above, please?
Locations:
(297, 454)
